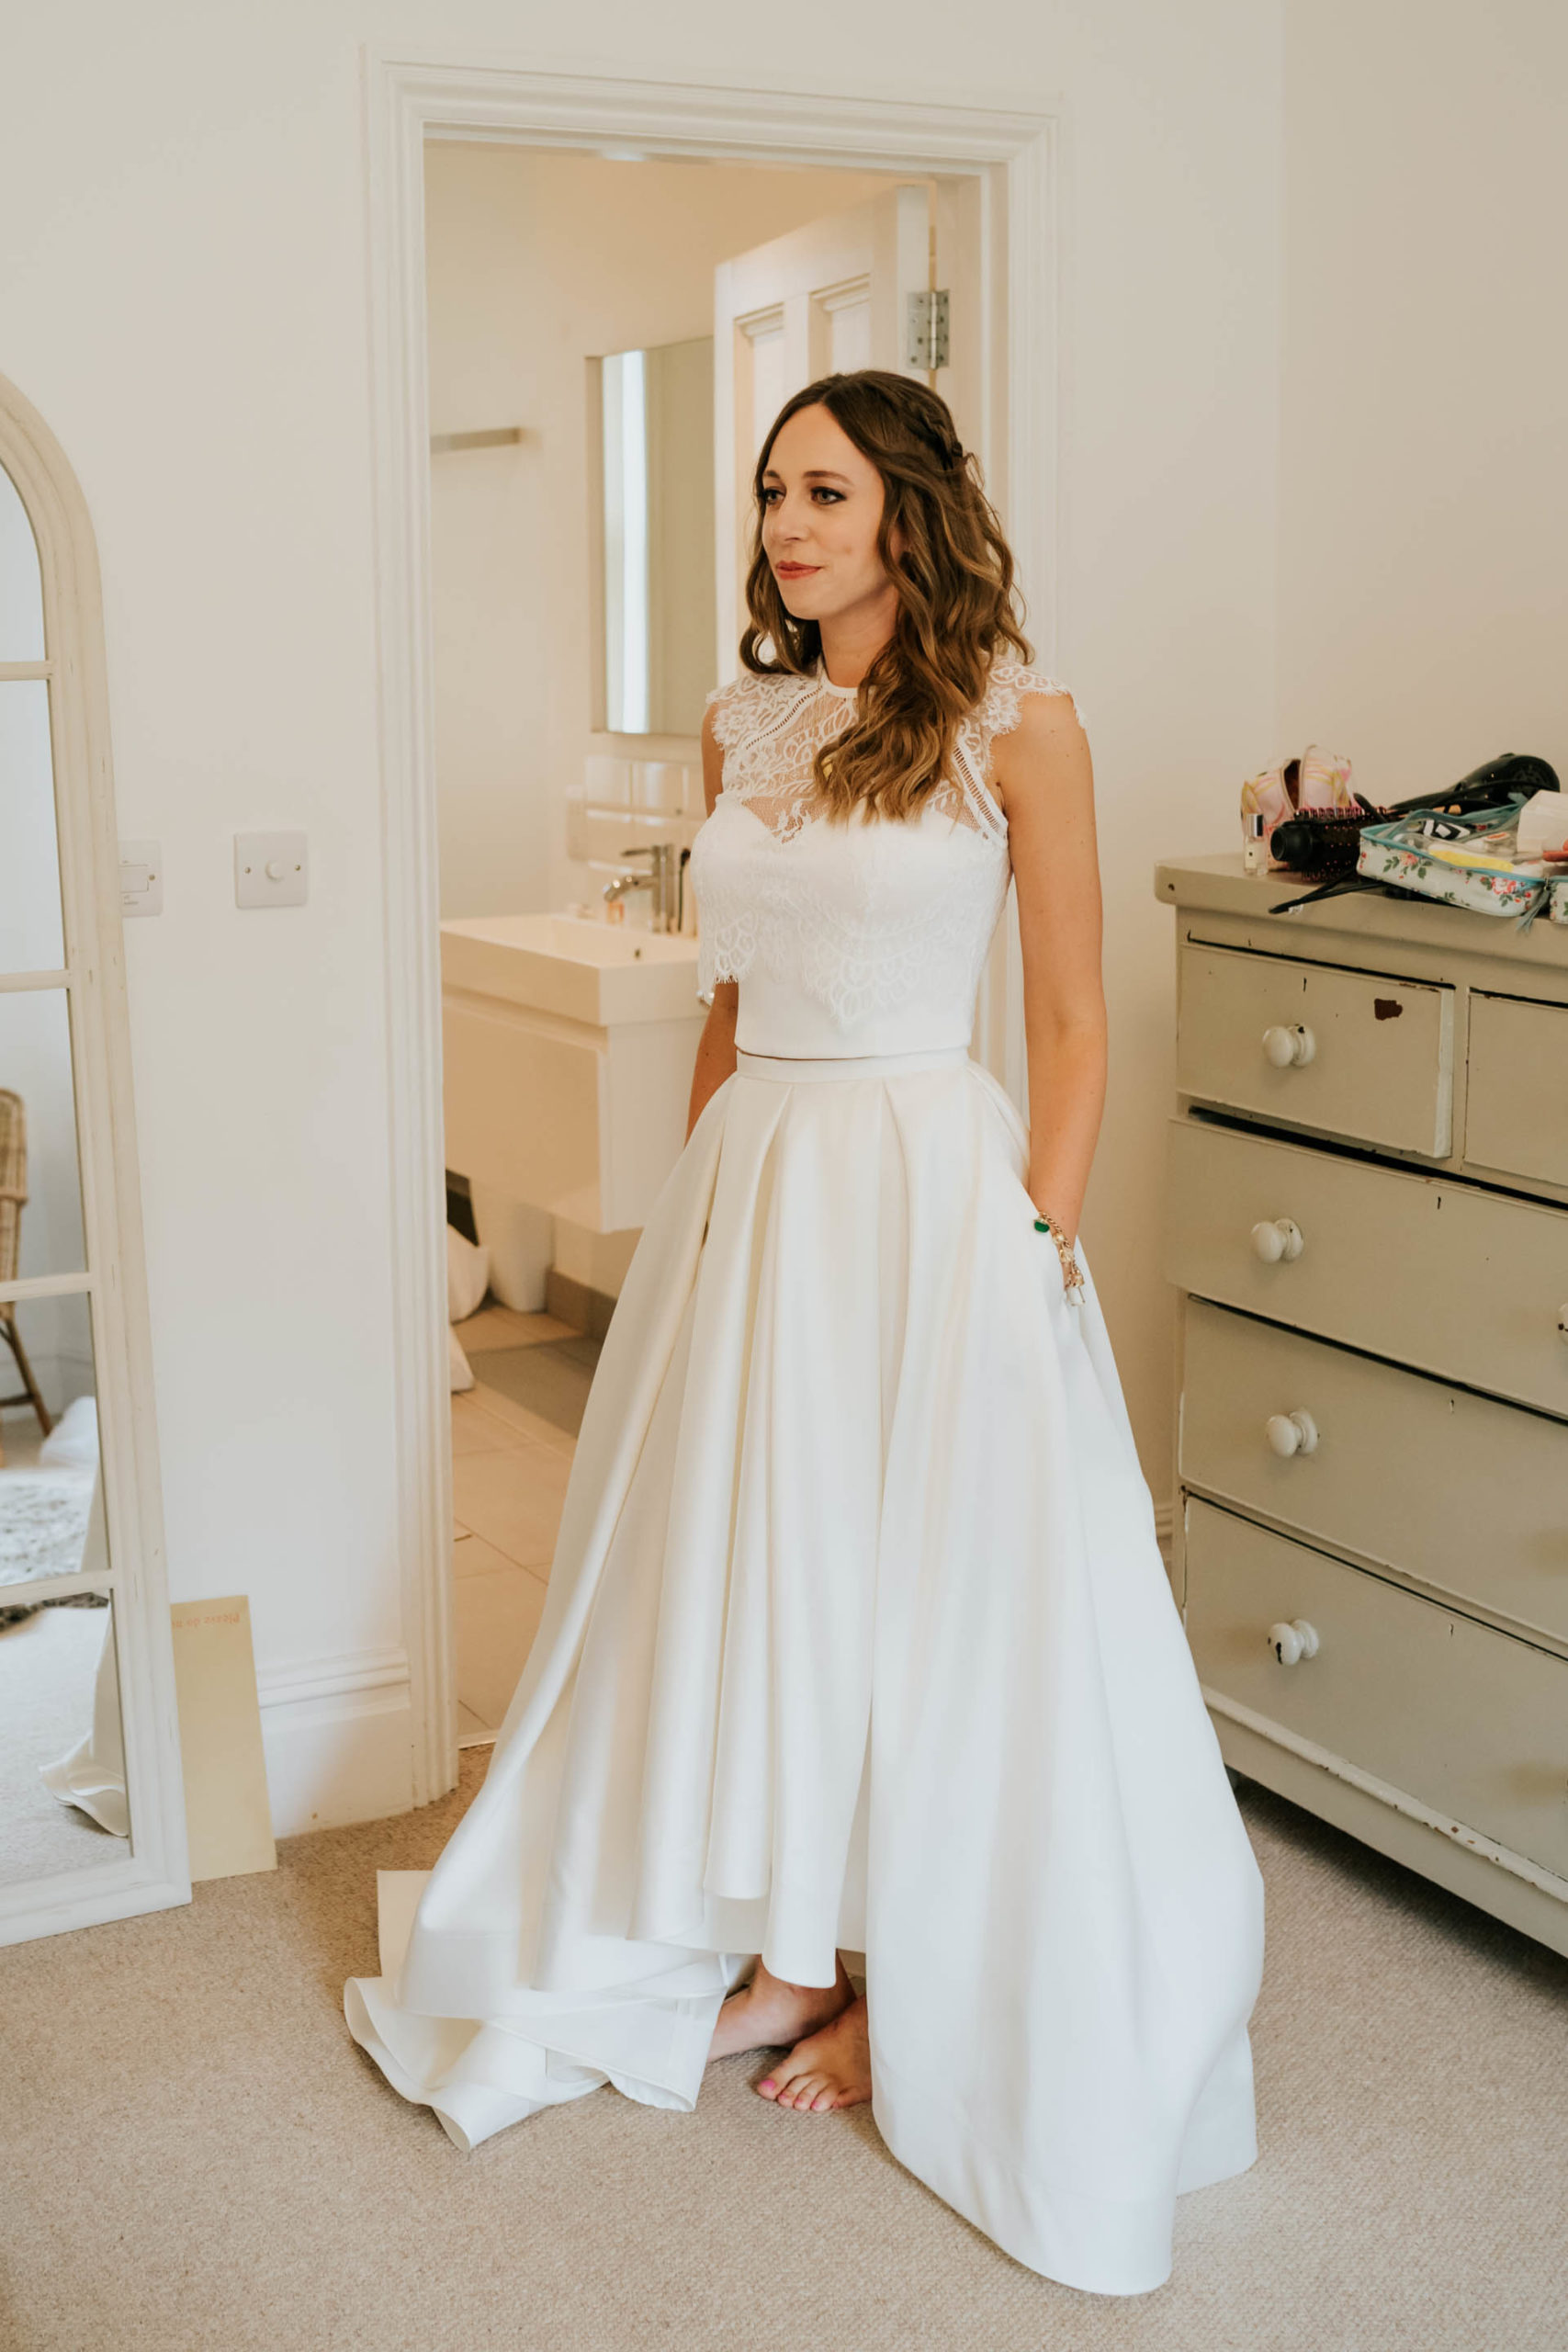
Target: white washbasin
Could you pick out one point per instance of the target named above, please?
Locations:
(601, 972)
(569, 1049)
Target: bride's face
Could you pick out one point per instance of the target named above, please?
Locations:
(822, 506)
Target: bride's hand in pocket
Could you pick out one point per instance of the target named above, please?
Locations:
(1063, 1254)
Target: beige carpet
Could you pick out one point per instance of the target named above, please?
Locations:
(194, 2157)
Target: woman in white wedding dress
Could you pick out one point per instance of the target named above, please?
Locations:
(858, 1638)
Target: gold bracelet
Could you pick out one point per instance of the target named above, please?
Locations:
(1072, 1272)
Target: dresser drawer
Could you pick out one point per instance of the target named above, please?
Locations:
(1378, 1052)
(1467, 1494)
(1517, 1120)
(1457, 1281)
(1472, 1722)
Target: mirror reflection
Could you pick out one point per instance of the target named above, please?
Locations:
(62, 1794)
(62, 1791)
(31, 935)
(40, 1188)
(52, 1520)
(655, 553)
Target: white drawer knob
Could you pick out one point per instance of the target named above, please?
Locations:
(1294, 1641)
(1289, 1048)
(1278, 1237)
(1291, 1433)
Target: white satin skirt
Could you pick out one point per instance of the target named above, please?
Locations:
(858, 1636)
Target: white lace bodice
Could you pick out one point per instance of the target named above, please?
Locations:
(861, 938)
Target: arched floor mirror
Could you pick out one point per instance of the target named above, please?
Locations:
(92, 1814)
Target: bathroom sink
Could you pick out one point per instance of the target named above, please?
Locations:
(567, 963)
(568, 1049)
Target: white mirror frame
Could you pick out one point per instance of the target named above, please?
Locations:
(154, 1874)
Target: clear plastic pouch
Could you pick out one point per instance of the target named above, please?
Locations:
(1464, 861)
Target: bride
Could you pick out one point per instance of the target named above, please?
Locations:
(858, 1638)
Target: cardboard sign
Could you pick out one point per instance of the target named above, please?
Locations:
(227, 1812)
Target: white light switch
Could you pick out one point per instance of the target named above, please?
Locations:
(270, 870)
(140, 878)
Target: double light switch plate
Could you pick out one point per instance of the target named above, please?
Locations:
(270, 870)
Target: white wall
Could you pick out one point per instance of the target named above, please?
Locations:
(1422, 595)
(183, 282)
(1170, 337)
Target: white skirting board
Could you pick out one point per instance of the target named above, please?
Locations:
(338, 1737)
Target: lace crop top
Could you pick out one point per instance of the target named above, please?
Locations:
(861, 938)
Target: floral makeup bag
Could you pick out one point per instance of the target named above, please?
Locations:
(1469, 860)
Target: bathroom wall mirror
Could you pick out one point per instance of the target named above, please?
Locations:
(651, 433)
(92, 1818)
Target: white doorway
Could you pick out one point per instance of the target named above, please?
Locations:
(670, 305)
(998, 172)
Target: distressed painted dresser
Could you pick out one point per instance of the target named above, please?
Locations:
(1367, 1219)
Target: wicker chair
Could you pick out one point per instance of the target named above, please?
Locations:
(12, 1199)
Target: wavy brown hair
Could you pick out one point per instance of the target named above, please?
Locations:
(958, 606)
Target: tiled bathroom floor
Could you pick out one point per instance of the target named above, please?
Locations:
(510, 1461)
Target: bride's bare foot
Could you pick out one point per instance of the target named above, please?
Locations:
(768, 2014)
(829, 2068)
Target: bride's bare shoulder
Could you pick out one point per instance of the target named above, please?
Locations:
(1039, 755)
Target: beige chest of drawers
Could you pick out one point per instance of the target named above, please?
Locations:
(1367, 1219)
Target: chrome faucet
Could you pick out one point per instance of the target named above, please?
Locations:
(662, 880)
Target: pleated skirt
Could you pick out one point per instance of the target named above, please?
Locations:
(858, 1637)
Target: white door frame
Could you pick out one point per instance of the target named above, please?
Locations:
(1013, 153)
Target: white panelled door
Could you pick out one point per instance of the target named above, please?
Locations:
(826, 298)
